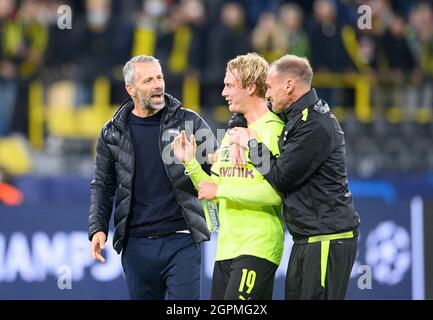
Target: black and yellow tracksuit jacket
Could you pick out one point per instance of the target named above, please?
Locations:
(310, 172)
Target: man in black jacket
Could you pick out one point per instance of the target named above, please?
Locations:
(310, 173)
(159, 222)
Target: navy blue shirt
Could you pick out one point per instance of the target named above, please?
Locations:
(154, 206)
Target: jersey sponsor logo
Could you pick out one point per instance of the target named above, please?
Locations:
(234, 171)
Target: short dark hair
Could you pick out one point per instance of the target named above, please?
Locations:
(296, 66)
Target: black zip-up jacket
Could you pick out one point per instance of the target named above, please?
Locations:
(310, 172)
(115, 165)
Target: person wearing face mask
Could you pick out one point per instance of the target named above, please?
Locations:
(154, 8)
(159, 222)
(311, 175)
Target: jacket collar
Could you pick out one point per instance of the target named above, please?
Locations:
(120, 118)
(306, 101)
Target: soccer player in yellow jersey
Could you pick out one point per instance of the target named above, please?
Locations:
(250, 236)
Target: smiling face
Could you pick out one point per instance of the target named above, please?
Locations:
(148, 86)
(234, 93)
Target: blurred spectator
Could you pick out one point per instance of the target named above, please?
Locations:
(255, 8)
(399, 57)
(59, 58)
(328, 50)
(382, 14)
(34, 18)
(181, 42)
(273, 37)
(398, 66)
(420, 37)
(227, 39)
(195, 38)
(11, 49)
(146, 17)
(104, 44)
(146, 21)
(268, 37)
(292, 18)
(24, 42)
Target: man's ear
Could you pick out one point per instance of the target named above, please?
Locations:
(252, 89)
(131, 90)
(290, 86)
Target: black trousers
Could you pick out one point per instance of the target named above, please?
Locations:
(164, 268)
(243, 278)
(320, 270)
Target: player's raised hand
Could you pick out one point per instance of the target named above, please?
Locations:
(183, 149)
(240, 136)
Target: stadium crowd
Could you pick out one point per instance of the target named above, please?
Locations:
(195, 39)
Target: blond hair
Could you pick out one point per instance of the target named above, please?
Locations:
(292, 65)
(252, 69)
